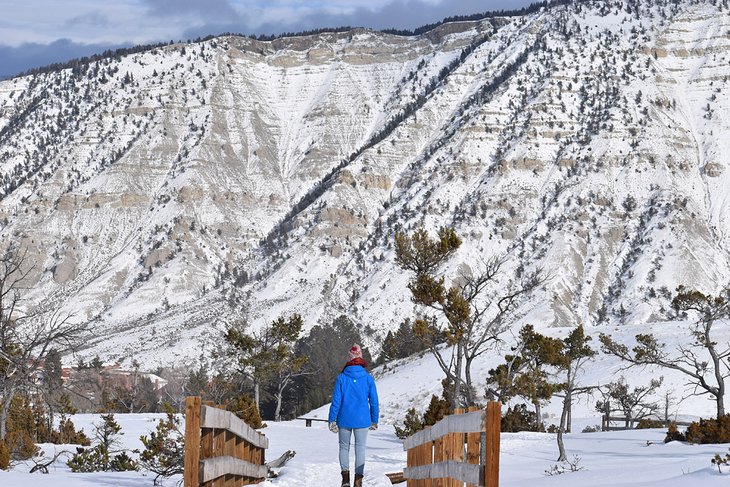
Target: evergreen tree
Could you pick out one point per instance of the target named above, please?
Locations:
(538, 353)
(403, 343)
(267, 356)
(286, 362)
(576, 352)
(197, 382)
(164, 448)
(52, 387)
(104, 455)
(326, 351)
(635, 404)
(474, 318)
(4, 456)
(107, 435)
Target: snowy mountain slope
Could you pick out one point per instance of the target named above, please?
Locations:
(165, 191)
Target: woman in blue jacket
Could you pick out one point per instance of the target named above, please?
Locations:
(354, 409)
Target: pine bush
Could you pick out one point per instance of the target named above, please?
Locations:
(87, 460)
(245, 408)
(720, 461)
(20, 445)
(67, 434)
(673, 434)
(437, 409)
(4, 456)
(411, 424)
(164, 451)
(99, 458)
(21, 429)
(122, 463)
(647, 423)
(710, 430)
(519, 418)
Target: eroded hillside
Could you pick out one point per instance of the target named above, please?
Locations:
(164, 191)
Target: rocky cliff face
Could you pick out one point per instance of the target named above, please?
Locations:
(166, 191)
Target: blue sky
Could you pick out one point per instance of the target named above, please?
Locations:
(37, 32)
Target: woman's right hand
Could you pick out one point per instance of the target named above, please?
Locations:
(333, 427)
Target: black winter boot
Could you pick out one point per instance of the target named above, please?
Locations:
(358, 480)
(345, 479)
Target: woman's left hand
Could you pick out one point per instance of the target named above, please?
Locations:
(374, 426)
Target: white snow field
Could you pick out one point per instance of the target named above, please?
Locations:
(617, 459)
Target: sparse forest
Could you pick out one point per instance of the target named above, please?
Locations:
(533, 200)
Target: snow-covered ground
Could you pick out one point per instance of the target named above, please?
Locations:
(617, 459)
(410, 382)
(621, 459)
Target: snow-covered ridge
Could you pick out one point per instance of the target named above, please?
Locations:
(587, 139)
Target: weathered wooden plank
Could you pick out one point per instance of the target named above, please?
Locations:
(192, 441)
(220, 419)
(206, 450)
(459, 471)
(395, 477)
(416, 461)
(238, 453)
(213, 468)
(425, 457)
(428, 448)
(472, 448)
(439, 455)
(411, 460)
(492, 429)
(460, 423)
(457, 449)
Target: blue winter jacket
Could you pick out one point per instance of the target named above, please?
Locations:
(354, 399)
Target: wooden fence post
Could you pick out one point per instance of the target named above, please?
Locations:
(492, 419)
(473, 444)
(428, 459)
(410, 461)
(460, 449)
(457, 449)
(439, 455)
(192, 441)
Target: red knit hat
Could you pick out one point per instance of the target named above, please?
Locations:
(355, 352)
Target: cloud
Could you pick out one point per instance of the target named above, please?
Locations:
(93, 19)
(215, 10)
(287, 16)
(16, 59)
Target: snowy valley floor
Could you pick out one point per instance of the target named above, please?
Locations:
(619, 459)
(616, 459)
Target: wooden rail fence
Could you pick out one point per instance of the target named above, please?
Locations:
(221, 450)
(459, 449)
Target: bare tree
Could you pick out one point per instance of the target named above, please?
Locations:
(89, 386)
(26, 338)
(635, 404)
(176, 389)
(703, 361)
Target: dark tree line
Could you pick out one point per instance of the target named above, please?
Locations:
(285, 374)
